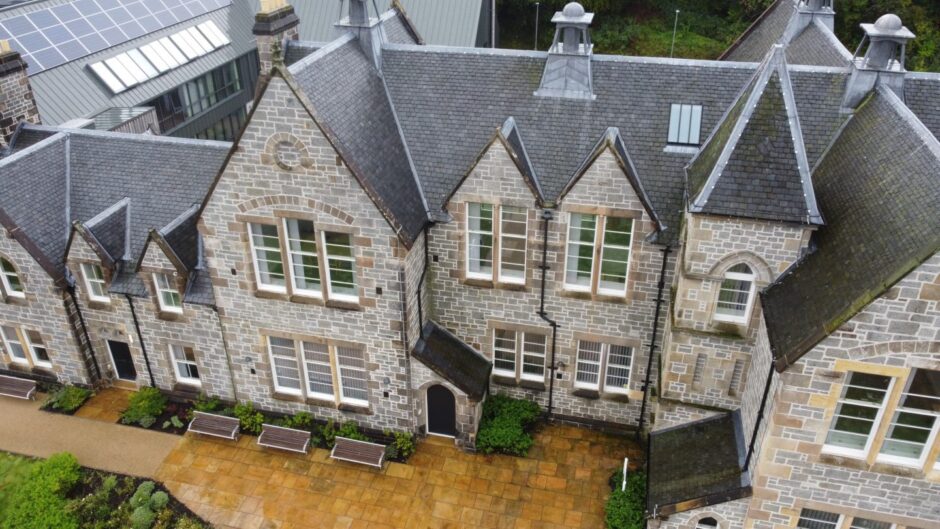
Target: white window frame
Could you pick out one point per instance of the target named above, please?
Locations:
(624, 389)
(306, 371)
(685, 124)
(5, 276)
(261, 285)
(604, 247)
(291, 253)
(19, 340)
(931, 438)
(574, 287)
(515, 348)
(340, 383)
(180, 377)
(876, 423)
(300, 369)
(738, 276)
(839, 522)
(498, 253)
(31, 346)
(523, 354)
(169, 289)
(491, 233)
(327, 270)
(599, 363)
(88, 281)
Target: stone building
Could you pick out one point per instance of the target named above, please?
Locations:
(737, 257)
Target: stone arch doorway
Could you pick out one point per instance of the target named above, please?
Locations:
(441, 411)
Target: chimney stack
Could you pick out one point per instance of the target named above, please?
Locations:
(275, 24)
(16, 96)
(883, 61)
(567, 71)
(368, 30)
(815, 9)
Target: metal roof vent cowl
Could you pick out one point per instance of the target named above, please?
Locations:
(567, 71)
(368, 29)
(883, 61)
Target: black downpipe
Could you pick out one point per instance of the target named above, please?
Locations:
(424, 274)
(760, 418)
(81, 320)
(547, 217)
(140, 337)
(649, 362)
(646, 501)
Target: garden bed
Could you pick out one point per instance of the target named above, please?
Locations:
(66, 400)
(507, 426)
(150, 409)
(57, 492)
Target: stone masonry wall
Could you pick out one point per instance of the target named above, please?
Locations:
(16, 96)
(307, 179)
(898, 331)
(43, 310)
(471, 308)
(729, 515)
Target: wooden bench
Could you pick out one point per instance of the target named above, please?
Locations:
(284, 438)
(361, 452)
(214, 425)
(17, 387)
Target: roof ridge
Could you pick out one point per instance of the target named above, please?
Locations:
(904, 112)
(330, 47)
(179, 220)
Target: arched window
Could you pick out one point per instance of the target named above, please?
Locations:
(736, 295)
(9, 280)
(707, 523)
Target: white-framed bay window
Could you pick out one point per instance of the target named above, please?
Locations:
(519, 354)
(858, 414)
(168, 297)
(736, 294)
(93, 278)
(320, 369)
(603, 367)
(25, 346)
(598, 254)
(313, 263)
(496, 242)
(183, 359)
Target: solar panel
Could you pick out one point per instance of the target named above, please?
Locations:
(53, 36)
(139, 65)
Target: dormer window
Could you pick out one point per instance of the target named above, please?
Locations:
(168, 297)
(736, 296)
(94, 283)
(10, 280)
(685, 125)
(498, 247)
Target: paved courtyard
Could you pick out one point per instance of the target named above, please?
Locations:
(562, 484)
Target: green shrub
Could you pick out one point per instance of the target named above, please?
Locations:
(402, 447)
(67, 398)
(39, 501)
(505, 425)
(249, 419)
(144, 407)
(142, 518)
(189, 523)
(142, 496)
(174, 421)
(300, 421)
(159, 500)
(625, 509)
(326, 435)
(95, 509)
(205, 404)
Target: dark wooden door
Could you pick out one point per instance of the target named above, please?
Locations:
(442, 411)
(123, 363)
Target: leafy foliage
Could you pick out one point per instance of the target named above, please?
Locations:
(250, 419)
(39, 501)
(625, 509)
(505, 425)
(300, 421)
(402, 446)
(67, 398)
(326, 435)
(144, 407)
(174, 421)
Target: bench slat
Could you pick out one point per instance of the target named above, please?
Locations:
(362, 452)
(17, 387)
(284, 438)
(215, 425)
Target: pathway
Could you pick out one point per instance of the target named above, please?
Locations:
(106, 446)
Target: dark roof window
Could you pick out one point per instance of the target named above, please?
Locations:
(685, 124)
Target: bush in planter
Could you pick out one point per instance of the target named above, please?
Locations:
(144, 407)
(505, 425)
(249, 419)
(205, 404)
(625, 509)
(67, 398)
(402, 447)
(39, 502)
(326, 435)
(301, 421)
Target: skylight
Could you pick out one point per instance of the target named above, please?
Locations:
(139, 65)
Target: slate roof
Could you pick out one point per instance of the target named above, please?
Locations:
(921, 94)
(45, 190)
(878, 187)
(816, 45)
(110, 229)
(697, 464)
(755, 164)
(766, 31)
(349, 98)
(454, 360)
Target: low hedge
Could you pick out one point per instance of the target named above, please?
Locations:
(506, 425)
(40, 501)
(625, 509)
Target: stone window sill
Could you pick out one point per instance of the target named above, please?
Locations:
(532, 384)
(344, 305)
(587, 296)
(586, 393)
(288, 397)
(355, 408)
(497, 285)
